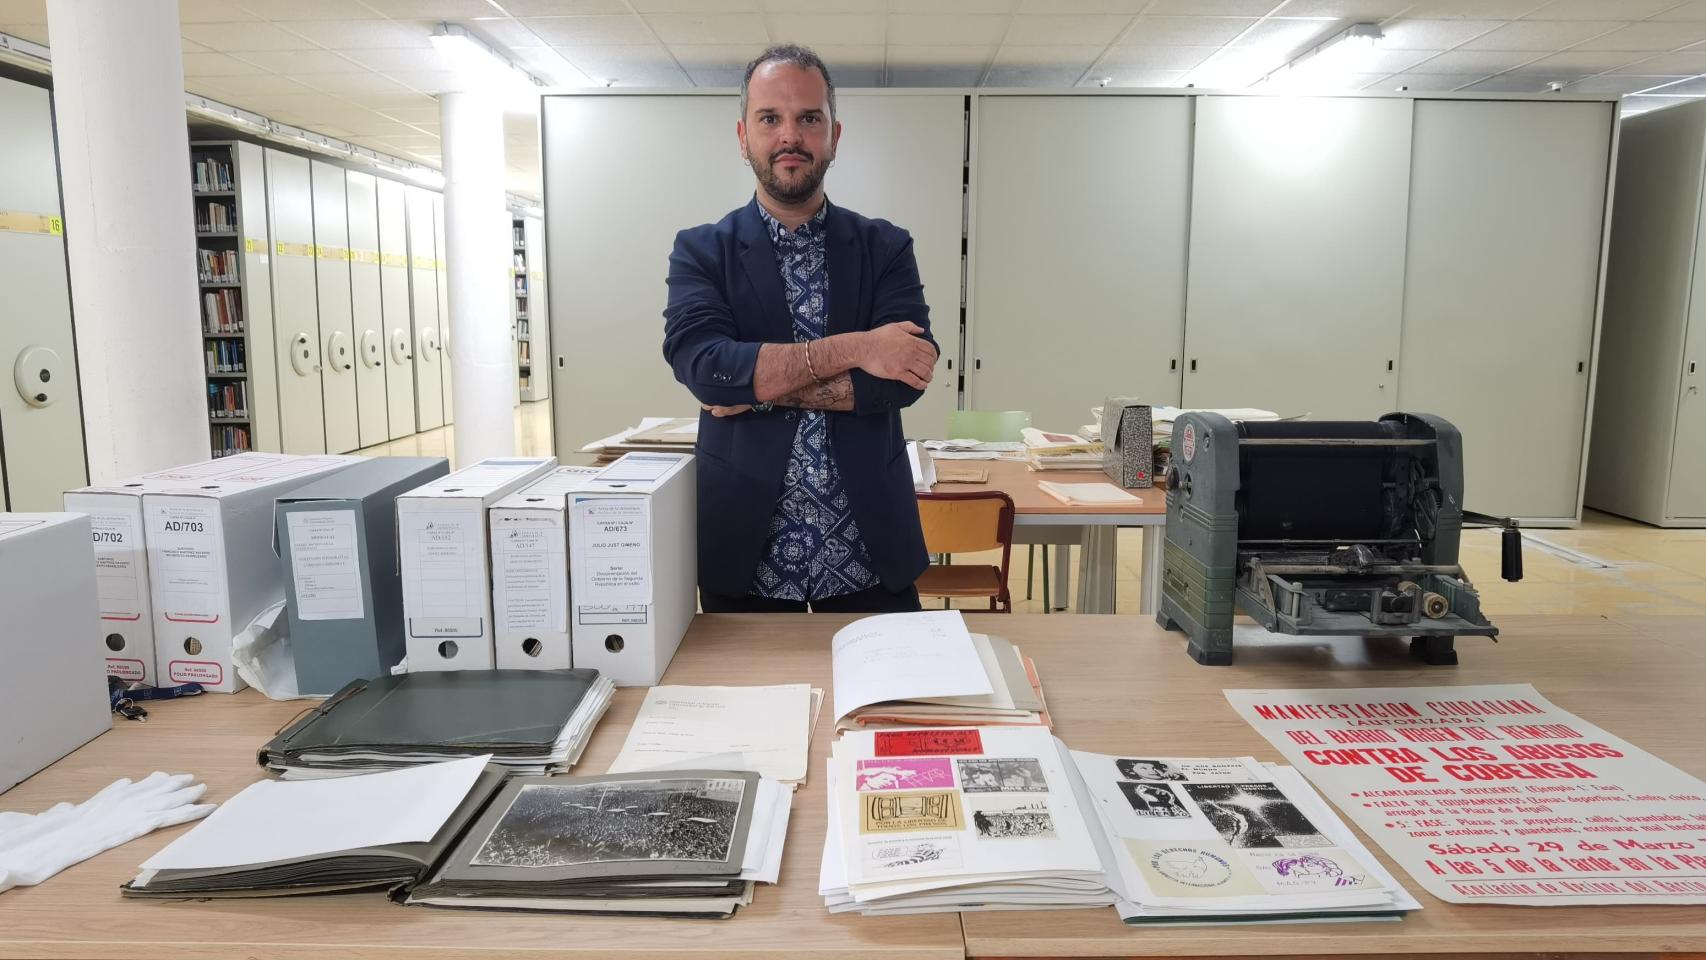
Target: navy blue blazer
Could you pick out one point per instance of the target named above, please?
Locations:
(726, 298)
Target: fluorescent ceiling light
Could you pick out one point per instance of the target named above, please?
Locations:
(477, 66)
(1346, 53)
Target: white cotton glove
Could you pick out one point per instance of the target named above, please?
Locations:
(33, 848)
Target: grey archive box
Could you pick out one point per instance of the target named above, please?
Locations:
(1128, 442)
(337, 538)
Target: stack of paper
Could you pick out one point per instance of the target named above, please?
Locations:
(1164, 417)
(1229, 840)
(767, 730)
(1061, 451)
(923, 467)
(957, 819)
(530, 721)
(684, 843)
(927, 669)
(1087, 494)
(690, 842)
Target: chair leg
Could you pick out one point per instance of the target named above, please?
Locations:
(1047, 606)
(1031, 569)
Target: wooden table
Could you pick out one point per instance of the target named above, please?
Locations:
(1115, 685)
(1093, 528)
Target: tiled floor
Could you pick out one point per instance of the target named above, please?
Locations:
(1607, 567)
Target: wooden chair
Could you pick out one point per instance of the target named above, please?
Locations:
(1009, 426)
(967, 523)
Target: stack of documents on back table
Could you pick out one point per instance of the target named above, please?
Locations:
(975, 449)
(767, 730)
(926, 820)
(927, 669)
(1061, 451)
(530, 721)
(1229, 840)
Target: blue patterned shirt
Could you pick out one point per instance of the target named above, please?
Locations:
(814, 550)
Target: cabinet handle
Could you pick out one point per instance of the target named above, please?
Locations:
(1173, 364)
(1193, 364)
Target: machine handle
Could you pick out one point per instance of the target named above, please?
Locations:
(1510, 543)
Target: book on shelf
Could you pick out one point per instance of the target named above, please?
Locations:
(230, 439)
(218, 266)
(226, 356)
(228, 399)
(215, 216)
(210, 174)
(220, 313)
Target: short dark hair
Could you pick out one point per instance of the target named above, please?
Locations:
(795, 54)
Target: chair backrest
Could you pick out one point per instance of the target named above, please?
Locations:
(967, 522)
(989, 426)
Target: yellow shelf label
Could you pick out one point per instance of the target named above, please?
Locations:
(38, 223)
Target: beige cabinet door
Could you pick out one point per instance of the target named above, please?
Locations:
(394, 301)
(1297, 254)
(296, 307)
(41, 418)
(367, 308)
(1507, 211)
(338, 344)
(423, 309)
(1078, 250)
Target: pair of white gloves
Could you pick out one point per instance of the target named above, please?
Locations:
(34, 847)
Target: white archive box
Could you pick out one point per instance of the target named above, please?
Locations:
(125, 635)
(530, 571)
(211, 566)
(444, 557)
(53, 688)
(634, 566)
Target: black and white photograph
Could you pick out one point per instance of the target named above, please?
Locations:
(1006, 775)
(1154, 800)
(1149, 770)
(1255, 815)
(1022, 820)
(550, 825)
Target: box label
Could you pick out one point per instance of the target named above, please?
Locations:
(325, 564)
(184, 557)
(120, 565)
(613, 551)
(530, 578)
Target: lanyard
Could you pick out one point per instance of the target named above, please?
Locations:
(127, 702)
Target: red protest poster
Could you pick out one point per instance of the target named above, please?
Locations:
(915, 743)
(1492, 794)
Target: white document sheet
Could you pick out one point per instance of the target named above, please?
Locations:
(284, 819)
(763, 729)
(612, 552)
(898, 656)
(324, 564)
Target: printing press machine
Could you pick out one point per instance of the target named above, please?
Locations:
(1321, 528)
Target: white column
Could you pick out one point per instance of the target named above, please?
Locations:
(118, 94)
(478, 248)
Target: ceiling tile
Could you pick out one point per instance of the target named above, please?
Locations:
(563, 8)
(1602, 9)
(1548, 35)
(906, 56)
(840, 57)
(1158, 58)
(1234, 68)
(1691, 87)
(364, 34)
(261, 84)
(1289, 36)
(24, 12)
(548, 64)
(236, 37)
(853, 77)
(627, 65)
(433, 9)
(1100, 29)
(386, 59)
(211, 11)
(714, 76)
(934, 76)
(211, 65)
(1362, 10)
(1133, 76)
(33, 32)
(697, 6)
(427, 113)
(1475, 61)
(816, 28)
(955, 7)
(1031, 77)
(1431, 82)
(407, 100)
(1510, 83)
(1682, 63)
(1186, 31)
(1214, 8)
(1649, 37)
(1633, 106)
(1572, 64)
(305, 9)
(1620, 85)
(831, 6)
(364, 83)
(1127, 7)
(709, 27)
(1432, 34)
(426, 81)
(1392, 61)
(587, 31)
(504, 32)
(1070, 58)
(1692, 10)
(734, 56)
(932, 30)
(292, 62)
(1473, 9)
